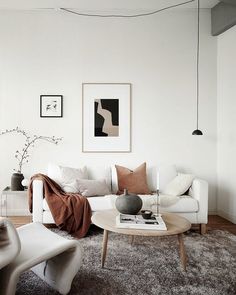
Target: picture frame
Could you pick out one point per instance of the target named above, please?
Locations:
(51, 106)
(106, 117)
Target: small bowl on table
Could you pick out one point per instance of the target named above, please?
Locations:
(146, 214)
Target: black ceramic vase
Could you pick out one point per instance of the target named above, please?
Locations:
(16, 180)
(129, 203)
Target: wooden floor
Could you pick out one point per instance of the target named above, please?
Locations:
(217, 222)
(214, 222)
(20, 220)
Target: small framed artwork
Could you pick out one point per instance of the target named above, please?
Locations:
(106, 117)
(51, 106)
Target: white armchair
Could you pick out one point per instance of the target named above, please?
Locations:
(53, 258)
(11, 246)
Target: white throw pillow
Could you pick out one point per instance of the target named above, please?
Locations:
(89, 188)
(179, 185)
(66, 175)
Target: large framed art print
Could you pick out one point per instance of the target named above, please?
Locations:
(106, 117)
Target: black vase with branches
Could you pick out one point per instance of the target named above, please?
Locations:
(23, 155)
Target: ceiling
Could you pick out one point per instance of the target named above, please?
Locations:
(100, 5)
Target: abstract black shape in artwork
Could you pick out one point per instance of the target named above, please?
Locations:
(112, 105)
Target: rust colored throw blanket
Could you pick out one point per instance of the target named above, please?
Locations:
(71, 212)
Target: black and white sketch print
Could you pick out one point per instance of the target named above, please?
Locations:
(51, 106)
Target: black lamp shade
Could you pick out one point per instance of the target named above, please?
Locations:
(197, 132)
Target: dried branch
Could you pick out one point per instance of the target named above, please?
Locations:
(23, 156)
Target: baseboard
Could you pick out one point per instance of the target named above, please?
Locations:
(212, 213)
(227, 216)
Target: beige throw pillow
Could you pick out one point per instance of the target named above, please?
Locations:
(135, 181)
(179, 185)
(89, 188)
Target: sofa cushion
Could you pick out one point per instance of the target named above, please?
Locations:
(97, 203)
(135, 181)
(185, 204)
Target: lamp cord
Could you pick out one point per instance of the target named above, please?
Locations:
(198, 52)
(152, 13)
(123, 15)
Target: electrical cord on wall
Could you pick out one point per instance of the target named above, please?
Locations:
(123, 15)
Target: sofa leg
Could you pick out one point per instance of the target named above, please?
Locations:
(203, 228)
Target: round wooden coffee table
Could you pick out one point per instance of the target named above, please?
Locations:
(176, 225)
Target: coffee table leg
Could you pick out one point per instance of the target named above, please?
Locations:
(104, 246)
(182, 252)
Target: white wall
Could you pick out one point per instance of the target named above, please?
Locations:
(54, 52)
(226, 197)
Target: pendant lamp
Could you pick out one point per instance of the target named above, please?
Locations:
(198, 131)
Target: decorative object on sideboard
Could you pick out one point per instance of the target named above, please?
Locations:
(106, 117)
(198, 131)
(128, 203)
(16, 180)
(51, 106)
(25, 182)
(23, 155)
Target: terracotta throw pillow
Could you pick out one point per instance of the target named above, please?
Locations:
(134, 181)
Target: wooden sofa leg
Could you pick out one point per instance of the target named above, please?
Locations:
(203, 228)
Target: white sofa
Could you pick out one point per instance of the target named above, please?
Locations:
(193, 206)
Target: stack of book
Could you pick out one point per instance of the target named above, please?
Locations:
(138, 222)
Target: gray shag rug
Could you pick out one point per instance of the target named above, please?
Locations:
(150, 266)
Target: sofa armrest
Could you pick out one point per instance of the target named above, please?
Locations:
(38, 201)
(199, 191)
